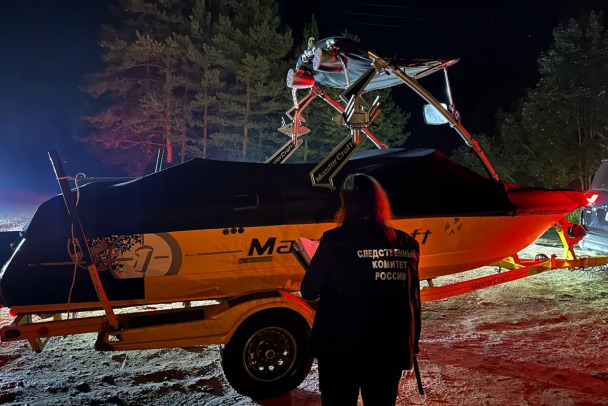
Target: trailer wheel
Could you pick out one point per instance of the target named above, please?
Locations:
(268, 354)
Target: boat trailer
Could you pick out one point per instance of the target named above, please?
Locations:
(215, 322)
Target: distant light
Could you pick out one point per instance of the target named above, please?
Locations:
(591, 198)
(169, 152)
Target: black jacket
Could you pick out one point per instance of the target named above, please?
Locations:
(369, 307)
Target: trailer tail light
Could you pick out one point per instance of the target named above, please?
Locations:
(591, 198)
(576, 231)
(12, 334)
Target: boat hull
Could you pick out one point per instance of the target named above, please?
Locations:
(219, 263)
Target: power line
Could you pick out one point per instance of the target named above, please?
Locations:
(459, 21)
(391, 6)
(387, 25)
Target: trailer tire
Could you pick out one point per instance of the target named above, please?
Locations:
(268, 354)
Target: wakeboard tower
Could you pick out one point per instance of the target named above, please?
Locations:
(225, 231)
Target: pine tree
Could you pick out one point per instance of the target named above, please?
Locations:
(205, 79)
(144, 85)
(560, 127)
(248, 49)
(390, 128)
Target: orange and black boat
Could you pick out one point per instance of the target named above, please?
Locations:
(211, 229)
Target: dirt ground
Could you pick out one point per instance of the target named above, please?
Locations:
(541, 340)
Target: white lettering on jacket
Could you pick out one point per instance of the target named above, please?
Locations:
(386, 253)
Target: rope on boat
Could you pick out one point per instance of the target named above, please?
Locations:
(79, 177)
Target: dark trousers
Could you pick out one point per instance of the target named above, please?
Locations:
(340, 381)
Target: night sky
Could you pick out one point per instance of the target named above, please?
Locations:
(48, 46)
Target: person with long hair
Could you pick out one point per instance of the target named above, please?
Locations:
(365, 274)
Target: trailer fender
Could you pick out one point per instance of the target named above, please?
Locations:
(248, 305)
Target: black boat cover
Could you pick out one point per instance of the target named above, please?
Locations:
(206, 194)
(202, 194)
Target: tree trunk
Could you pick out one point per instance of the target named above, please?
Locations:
(185, 128)
(245, 130)
(168, 107)
(205, 113)
(259, 146)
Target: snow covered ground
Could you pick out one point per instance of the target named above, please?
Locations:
(12, 222)
(541, 340)
(14, 216)
(17, 207)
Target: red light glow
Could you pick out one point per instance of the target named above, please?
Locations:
(591, 198)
